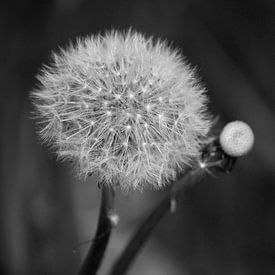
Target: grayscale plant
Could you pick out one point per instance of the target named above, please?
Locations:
(131, 110)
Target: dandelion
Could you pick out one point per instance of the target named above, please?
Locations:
(124, 106)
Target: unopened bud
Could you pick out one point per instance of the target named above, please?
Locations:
(237, 138)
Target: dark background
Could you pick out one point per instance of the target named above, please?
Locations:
(225, 225)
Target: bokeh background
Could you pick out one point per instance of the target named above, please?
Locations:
(224, 225)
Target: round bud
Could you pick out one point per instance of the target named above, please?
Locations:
(236, 138)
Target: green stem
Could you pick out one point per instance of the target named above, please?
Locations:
(135, 244)
(95, 255)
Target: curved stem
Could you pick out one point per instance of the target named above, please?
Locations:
(95, 255)
(168, 202)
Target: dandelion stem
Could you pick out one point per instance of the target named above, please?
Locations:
(95, 255)
(143, 232)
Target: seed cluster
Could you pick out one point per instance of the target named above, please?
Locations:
(123, 106)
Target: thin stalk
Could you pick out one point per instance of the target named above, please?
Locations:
(139, 238)
(95, 255)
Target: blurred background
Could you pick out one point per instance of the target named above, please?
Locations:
(224, 225)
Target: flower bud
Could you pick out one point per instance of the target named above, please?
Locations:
(236, 138)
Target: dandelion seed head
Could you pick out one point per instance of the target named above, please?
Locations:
(124, 106)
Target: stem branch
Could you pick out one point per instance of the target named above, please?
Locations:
(135, 244)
